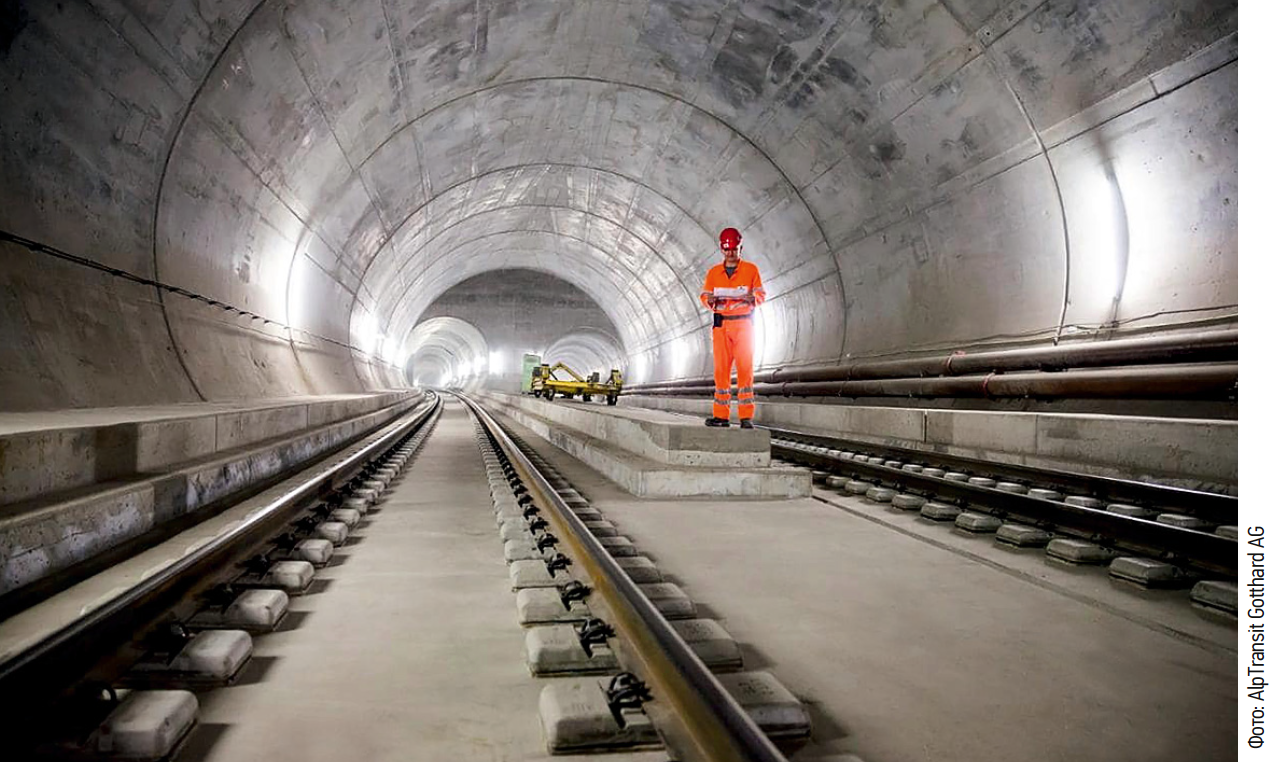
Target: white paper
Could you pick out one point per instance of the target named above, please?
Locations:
(724, 293)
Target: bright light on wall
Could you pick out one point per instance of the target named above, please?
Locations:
(768, 345)
(464, 370)
(639, 367)
(365, 331)
(680, 355)
(389, 349)
(1111, 225)
(495, 363)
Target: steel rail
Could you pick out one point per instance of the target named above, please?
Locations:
(1201, 550)
(715, 727)
(43, 670)
(1209, 506)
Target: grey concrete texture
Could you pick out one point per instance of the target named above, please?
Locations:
(521, 311)
(411, 651)
(642, 476)
(1066, 664)
(42, 453)
(907, 176)
(1187, 452)
(661, 437)
(53, 529)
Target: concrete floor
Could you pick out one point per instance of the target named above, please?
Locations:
(408, 649)
(912, 647)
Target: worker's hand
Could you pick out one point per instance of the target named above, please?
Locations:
(749, 299)
(712, 301)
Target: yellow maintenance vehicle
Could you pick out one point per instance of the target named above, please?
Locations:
(545, 384)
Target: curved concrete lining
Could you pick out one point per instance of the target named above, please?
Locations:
(938, 173)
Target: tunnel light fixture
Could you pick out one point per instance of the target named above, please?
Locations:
(495, 363)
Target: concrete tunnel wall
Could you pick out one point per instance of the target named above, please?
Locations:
(909, 175)
(524, 311)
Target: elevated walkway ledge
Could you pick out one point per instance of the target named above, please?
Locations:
(76, 483)
(652, 453)
(1193, 453)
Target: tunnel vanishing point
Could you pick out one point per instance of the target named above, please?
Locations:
(237, 237)
(259, 199)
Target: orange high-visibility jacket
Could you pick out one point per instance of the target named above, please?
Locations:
(745, 281)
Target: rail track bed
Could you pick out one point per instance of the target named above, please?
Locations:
(1148, 534)
(490, 597)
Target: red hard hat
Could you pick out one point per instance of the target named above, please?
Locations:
(729, 238)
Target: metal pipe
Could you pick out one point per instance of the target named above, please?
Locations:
(1166, 382)
(1201, 347)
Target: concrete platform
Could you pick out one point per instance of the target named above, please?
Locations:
(903, 635)
(82, 508)
(1190, 453)
(674, 440)
(56, 450)
(656, 454)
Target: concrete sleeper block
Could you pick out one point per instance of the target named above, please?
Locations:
(937, 511)
(1022, 536)
(880, 494)
(147, 725)
(1145, 571)
(978, 523)
(1219, 596)
(908, 502)
(1078, 551)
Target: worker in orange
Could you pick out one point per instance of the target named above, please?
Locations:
(732, 291)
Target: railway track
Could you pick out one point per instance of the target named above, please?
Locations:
(591, 604)
(114, 681)
(1149, 534)
(631, 666)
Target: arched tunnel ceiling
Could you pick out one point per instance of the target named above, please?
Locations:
(401, 147)
(908, 175)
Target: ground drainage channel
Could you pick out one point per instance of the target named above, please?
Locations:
(137, 701)
(606, 692)
(1139, 545)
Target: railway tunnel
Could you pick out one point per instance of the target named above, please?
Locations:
(240, 239)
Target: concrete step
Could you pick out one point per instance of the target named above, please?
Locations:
(661, 437)
(46, 535)
(49, 452)
(644, 476)
(1192, 453)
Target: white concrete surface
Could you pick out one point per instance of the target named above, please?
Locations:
(913, 642)
(410, 649)
(644, 477)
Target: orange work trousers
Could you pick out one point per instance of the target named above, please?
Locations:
(733, 343)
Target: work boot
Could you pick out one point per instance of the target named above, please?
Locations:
(717, 422)
(745, 423)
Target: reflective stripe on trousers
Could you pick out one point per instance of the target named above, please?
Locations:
(733, 345)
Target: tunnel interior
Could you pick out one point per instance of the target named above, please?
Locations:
(261, 198)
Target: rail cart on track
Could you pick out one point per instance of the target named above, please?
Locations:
(546, 384)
